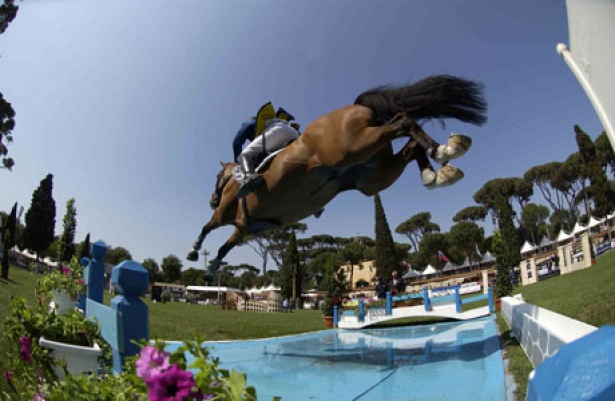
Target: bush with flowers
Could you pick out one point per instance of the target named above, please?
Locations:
(189, 373)
(30, 366)
(68, 279)
(154, 375)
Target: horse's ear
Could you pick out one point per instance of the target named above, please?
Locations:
(223, 164)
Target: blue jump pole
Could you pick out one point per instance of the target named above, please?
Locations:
(389, 304)
(335, 316)
(457, 300)
(490, 299)
(361, 311)
(426, 301)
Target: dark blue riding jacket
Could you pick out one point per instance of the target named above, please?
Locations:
(245, 133)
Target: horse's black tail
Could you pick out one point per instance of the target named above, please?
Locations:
(435, 97)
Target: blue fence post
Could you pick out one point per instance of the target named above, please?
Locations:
(131, 281)
(361, 311)
(94, 274)
(457, 300)
(389, 304)
(335, 315)
(426, 301)
(490, 299)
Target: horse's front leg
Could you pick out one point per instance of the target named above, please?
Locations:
(193, 255)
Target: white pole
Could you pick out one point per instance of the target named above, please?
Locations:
(563, 51)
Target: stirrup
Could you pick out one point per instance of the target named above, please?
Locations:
(252, 184)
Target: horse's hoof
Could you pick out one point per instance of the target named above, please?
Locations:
(193, 255)
(429, 177)
(447, 175)
(457, 146)
(213, 267)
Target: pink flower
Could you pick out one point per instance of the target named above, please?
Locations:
(151, 362)
(173, 384)
(66, 271)
(8, 375)
(26, 348)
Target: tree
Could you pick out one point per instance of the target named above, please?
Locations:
(495, 195)
(272, 243)
(291, 275)
(604, 152)
(171, 268)
(471, 213)
(416, 227)
(599, 190)
(85, 248)
(353, 254)
(115, 256)
(467, 236)
(503, 285)
(41, 217)
(8, 11)
(191, 276)
(533, 218)
(67, 240)
(7, 123)
(386, 257)
(9, 235)
(152, 267)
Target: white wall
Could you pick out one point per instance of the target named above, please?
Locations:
(540, 331)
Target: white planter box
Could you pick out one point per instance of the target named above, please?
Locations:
(62, 301)
(78, 359)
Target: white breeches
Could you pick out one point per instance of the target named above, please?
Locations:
(275, 137)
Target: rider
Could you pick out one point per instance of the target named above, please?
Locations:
(267, 132)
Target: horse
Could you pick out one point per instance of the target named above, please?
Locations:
(350, 149)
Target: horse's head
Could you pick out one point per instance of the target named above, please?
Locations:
(222, 178)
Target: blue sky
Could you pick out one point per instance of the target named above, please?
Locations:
(131, 105)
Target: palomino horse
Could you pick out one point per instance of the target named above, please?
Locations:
(350, 148)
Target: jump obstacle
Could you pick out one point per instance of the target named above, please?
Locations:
(448, 305)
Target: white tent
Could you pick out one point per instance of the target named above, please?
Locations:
(27, 254)
(578, 228)
(527, 247)
(563, 236)
(411, 273)
(488, 258)
(49, 262)
(429, 270)
(273, 288)
(449, 266)
(545, 241)
(593, 222)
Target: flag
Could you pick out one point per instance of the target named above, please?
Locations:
(442, 256)
(406, 265)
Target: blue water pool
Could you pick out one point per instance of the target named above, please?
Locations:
(445, 361)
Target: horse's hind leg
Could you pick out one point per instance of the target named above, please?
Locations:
(445, 176)
(456, 146)
(224, 250)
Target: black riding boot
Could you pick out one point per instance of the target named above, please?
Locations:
(251, 179)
